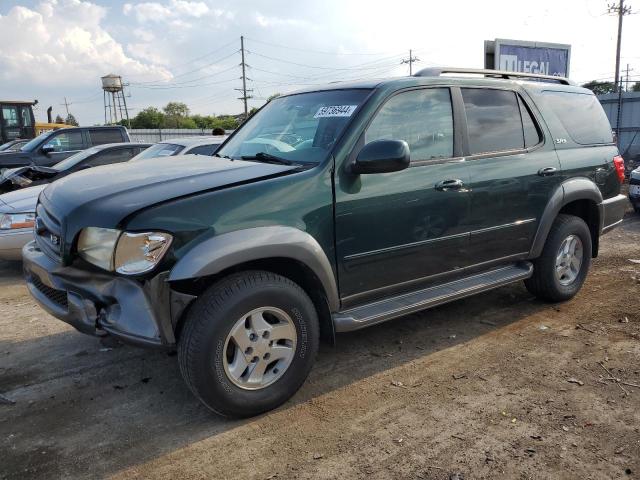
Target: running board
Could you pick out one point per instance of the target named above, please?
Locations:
(383, 310)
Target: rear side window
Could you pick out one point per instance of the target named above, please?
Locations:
(531, 133)
(581, 115)
(422, 118)
(100, 137)
(493, 120)
(111, 156)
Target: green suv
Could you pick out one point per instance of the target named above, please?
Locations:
(331, 210)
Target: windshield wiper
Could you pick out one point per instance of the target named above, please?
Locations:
(268, 158)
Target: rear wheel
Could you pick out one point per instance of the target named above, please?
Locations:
(560, 271)
(248, 343)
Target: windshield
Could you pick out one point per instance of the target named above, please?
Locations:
(158, 150)
(301, 128)
(34, 142)
(73, 160)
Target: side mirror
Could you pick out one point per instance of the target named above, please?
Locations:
(382, 156)
(48, 148)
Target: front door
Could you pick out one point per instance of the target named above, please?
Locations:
(394, 230)
(64, 144)
(513, 173)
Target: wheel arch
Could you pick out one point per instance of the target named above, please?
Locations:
(577, 196)
(282, 250)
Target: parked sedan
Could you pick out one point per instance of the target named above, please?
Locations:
(16, 178)
(183, 146)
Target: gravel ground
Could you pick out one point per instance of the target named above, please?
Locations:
(496, 386)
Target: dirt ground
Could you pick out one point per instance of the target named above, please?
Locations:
(496, 386)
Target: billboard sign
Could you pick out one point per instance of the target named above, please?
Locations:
(529, 57)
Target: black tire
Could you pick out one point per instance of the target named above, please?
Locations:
(544, 283)
(209, 321)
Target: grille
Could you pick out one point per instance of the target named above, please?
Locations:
(47, 233)
(59, 297)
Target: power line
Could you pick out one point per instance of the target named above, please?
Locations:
(313, 51)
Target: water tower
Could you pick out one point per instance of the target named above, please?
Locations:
(115, 104)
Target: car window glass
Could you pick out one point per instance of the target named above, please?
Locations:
(10, 116)
(108, 157)
(531, 133)
(26, 116)
(202, 150)
(102, 136)
(581, 115)
(422, 118)
(66, 141)
(159, 150)
(493, 120)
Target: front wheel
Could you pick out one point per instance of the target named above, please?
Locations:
(248, 343)
(558, 274)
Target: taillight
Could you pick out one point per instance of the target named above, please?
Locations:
(618, 162)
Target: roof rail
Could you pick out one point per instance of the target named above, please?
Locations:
(437, 71)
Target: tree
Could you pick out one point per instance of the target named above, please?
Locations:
(176, 112)
(635, 87)
(271, 97)
(59, 119)
(150, 117)
(71, 120)
(600, 88)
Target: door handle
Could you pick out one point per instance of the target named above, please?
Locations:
(452, 184)
(547, 171)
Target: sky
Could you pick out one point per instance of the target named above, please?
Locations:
(188, 51)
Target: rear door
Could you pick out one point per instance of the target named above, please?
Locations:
(395, 230)
(101, 136)
(513, 169)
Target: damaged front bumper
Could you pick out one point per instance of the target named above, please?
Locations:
(142, 312)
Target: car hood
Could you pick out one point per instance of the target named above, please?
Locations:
(21, 177)
(105, 196)
(23, 200)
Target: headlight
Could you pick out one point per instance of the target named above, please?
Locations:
(96, 246)
(12, 221)
(140, 252)
(123, 252)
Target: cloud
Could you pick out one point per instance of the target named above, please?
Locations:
(174, 12)
(62, 42)
(267, 21)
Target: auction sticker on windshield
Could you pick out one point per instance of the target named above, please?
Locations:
(335, 111)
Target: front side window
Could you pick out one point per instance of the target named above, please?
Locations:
(66, 141)
(422, 118)
(493, 120)
(301, 128)
(10, 116)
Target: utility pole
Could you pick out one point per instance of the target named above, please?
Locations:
(244, 90)
(621, 10)
(66, 105)
(410, 61)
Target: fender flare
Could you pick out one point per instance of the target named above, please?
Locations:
(229, 249)
(567, 192)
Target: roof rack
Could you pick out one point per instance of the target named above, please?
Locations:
(437, 71)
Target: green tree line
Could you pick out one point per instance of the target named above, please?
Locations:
(177, 115)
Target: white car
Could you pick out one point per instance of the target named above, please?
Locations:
(205, 145)
(17, 216)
